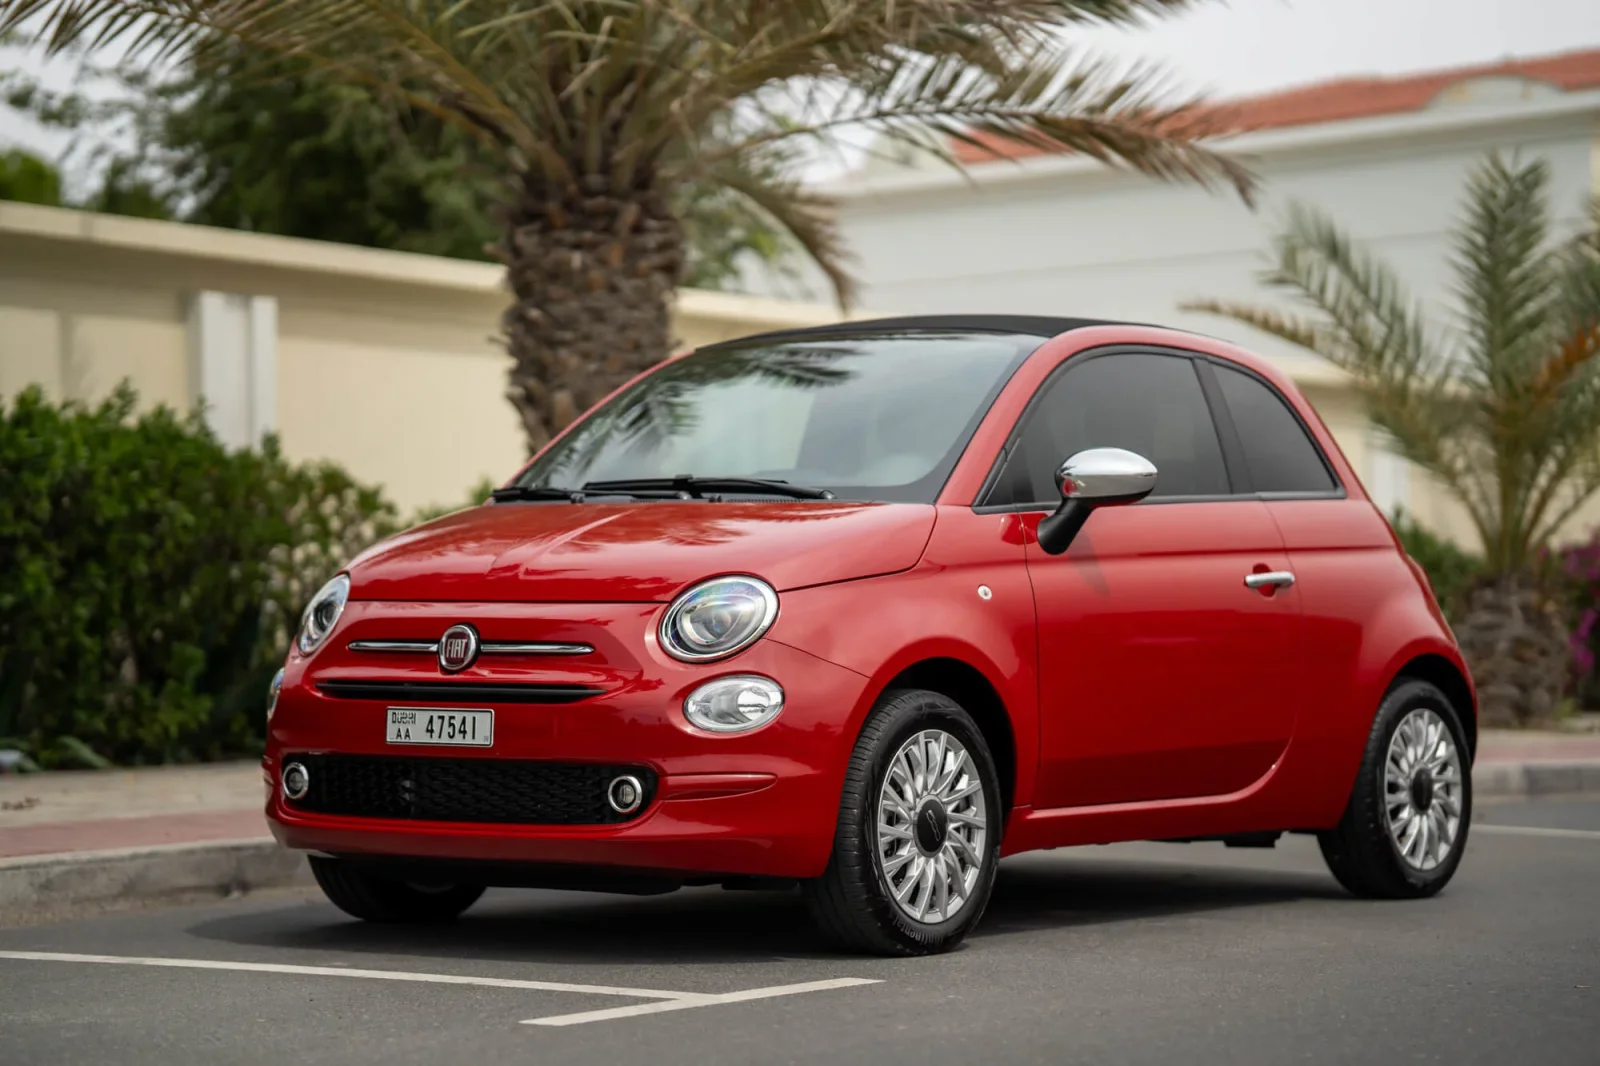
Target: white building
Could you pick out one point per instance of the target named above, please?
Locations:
(1387, 158)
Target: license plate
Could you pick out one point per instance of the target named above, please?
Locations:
(425, 725)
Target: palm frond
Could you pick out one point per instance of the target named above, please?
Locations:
(1510, 423)
(809, 218)
(1367, 325)
(1047, 96)
(1301, 332)
(1502, 274)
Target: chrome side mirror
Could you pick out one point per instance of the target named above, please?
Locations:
(1104, 476)
(1096, 477)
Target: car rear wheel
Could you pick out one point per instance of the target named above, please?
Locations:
(918, 838)
(362, 894)
(1405, 828)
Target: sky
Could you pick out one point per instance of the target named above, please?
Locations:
(1247, 46)
(1238, 47)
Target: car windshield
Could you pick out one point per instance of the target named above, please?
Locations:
(880, 416)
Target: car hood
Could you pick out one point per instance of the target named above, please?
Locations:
(637, 552)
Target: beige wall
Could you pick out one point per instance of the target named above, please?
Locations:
(384, 362)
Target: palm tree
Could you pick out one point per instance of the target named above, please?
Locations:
(1501, 406)
(601, 109)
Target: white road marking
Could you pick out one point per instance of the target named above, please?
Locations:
(1536, 831)
(689, 1002)
(343, 971)
(662, 1000)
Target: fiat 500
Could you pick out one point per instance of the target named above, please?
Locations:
(867, 608)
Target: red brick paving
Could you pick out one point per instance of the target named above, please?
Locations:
(105, 833)
(1500, 746)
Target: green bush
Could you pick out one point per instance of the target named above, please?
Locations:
(150, 578)
(1452, 570)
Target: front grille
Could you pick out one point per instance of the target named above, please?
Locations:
(452, 692)
(465, 790)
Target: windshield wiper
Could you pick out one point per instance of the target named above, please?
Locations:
(697, 487)
(536, 492)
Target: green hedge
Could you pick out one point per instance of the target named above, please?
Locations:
(150, 578)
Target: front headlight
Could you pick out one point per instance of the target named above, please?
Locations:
(717, 618)
(322, 614)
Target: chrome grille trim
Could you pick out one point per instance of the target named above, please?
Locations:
(487, 647)
(511, 647)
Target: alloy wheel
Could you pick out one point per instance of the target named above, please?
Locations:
(1422, 789)
(931, 827)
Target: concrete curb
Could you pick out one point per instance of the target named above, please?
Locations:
(1535, 778)
(42, 887)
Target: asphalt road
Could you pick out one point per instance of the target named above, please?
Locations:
(1143, 953)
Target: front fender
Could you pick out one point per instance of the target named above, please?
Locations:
(884, 626)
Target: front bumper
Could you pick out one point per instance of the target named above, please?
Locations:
(763, 803)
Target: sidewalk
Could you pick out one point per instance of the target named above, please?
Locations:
(101, 837)
(85, 840)
(92, 810)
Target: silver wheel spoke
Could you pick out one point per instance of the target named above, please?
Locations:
(925, 888)
(910, 882)
(898, 863)
(950, 871)
(941, 884)
(973, 788)
(965, 850)
(951, 775)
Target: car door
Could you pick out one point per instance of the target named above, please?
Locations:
(1162, 673)
(1340, 549)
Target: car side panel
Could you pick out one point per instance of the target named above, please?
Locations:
(1365, 615)
(885, 625)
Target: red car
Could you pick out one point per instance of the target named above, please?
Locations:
(867, 608)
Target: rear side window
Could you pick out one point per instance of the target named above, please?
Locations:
(1149, 404)
(1279, 453)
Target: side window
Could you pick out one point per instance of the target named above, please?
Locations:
(1281, 456)
(1149, 404)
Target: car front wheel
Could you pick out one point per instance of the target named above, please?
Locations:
(918, 838)
(1405, 828)
(362, 894)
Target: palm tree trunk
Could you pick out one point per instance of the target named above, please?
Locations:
(593, 273)
(1514, 639)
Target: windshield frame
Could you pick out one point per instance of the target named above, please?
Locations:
(925, 490)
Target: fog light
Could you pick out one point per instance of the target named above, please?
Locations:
(625, 794)
(296, 781)
(734, 704)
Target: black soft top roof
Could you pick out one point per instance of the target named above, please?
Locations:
(1032, 325)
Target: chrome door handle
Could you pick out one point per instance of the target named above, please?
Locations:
(1275, 578)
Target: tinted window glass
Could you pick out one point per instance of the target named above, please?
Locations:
(1149, 404)
(1281, 457)
(871, 417)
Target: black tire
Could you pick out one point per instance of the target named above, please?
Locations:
(851, 902)
(363, 895)
(1360, 852)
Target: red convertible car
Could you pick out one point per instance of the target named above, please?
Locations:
(867, 608)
